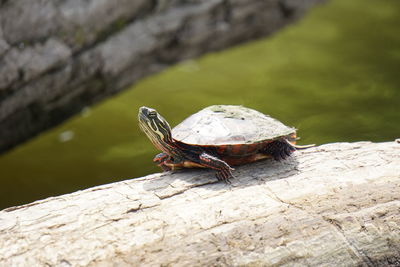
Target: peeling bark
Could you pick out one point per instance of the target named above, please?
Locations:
(57, 57)
(333, 205)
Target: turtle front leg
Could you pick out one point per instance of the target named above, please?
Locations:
(224, 171)
(161, 161)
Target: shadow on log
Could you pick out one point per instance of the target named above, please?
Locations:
(57, 57)
(332, 205)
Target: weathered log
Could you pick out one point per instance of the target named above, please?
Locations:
(57, 57)
(333, 205)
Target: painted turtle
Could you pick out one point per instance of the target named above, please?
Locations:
(217, 137)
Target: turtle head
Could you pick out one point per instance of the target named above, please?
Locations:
(155, 127)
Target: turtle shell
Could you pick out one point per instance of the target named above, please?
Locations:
(229, 125)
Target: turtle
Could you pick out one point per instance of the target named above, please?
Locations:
(218, 137)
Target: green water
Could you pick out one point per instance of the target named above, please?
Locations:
(335, 76)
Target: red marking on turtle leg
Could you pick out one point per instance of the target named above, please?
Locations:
(224, 171)
(162, 160)
(160, 157)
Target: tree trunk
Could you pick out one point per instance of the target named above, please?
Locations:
(333, 205)
(57, 57)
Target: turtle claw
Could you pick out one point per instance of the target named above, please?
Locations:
(224, 171)
(225, 175)
(227, 181)
(283, 154)
(279, 150)
(165, 168)
(287, 151)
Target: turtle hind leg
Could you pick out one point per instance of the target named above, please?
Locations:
(224, 171)
(279, 149)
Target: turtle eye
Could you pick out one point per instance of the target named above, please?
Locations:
(152, 114)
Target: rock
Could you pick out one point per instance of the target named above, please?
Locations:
(101, 47)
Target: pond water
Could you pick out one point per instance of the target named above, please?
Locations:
(334, 75)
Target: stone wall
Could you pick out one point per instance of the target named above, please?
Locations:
(57, 57)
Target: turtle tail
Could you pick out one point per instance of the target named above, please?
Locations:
(281, 149)
(297, 147)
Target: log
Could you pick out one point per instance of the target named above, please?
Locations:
(333, 205)
(56, 57)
